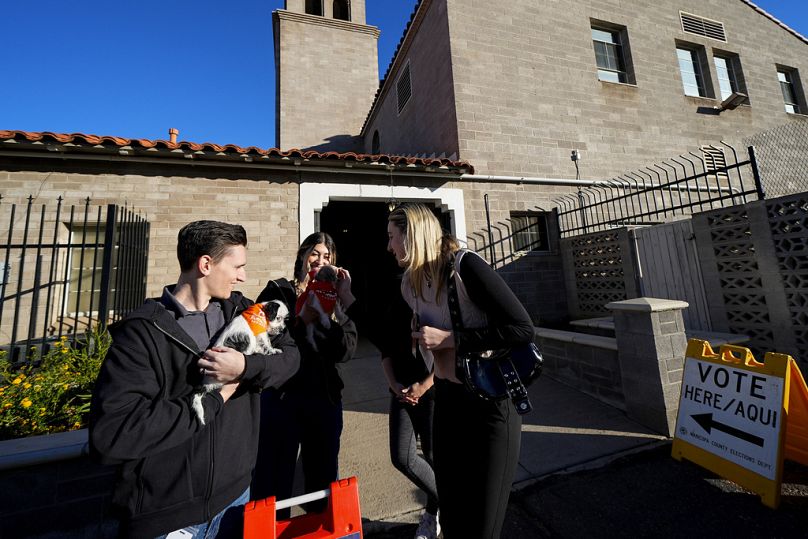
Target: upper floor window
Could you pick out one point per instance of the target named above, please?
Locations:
(789, 85)
(342, 10)
(729, 74)
(692, 70)
(314, 7)
(375, 144)
(611, 54)
(529, 231)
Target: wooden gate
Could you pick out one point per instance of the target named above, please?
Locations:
(669, 268)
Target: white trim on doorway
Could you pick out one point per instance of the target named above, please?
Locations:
(315, 196)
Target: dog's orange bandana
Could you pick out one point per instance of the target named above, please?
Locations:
(256, 318)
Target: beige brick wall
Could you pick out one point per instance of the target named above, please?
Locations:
(428, 123)
(327, 75)
(267, 208)
(527, 91)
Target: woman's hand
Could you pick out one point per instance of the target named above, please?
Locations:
(433, 338)
(343, 286)
(413, 393)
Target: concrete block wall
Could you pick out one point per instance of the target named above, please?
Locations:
(586, 362)
(427, 124)
(326, 76)
(527, 91)
(267, 207)
(65, 497)
(651, 347)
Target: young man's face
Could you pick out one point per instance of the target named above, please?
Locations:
(225, 274)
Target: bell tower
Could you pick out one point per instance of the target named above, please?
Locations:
(326, 73)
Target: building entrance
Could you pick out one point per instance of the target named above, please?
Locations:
(359, 229)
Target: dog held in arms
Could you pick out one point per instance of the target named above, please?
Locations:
(321, 295)
(249, 333)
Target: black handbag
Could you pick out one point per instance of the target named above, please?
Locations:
(495, 374)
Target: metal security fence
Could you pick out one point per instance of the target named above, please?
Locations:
(690, 183)
(782, 155)
(65, 269)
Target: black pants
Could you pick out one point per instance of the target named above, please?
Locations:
(476, 454)
(292, 420)
(407, 422)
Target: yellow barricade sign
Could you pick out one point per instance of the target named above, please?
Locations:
(739, 418)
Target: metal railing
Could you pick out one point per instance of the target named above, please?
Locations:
(680, 186)
(64, 270)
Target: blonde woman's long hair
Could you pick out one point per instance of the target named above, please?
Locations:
(428, 249)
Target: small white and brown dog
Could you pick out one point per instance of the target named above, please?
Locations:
(249, 333)
(320, 295)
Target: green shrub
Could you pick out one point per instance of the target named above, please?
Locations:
(52, 394)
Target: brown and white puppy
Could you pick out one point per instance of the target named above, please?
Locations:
(249, 333)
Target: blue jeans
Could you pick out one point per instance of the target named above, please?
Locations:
(225, 525)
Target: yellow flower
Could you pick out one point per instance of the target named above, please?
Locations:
(7, 405)
(26, 402)
(42, 411)
(66, 386)
(2, 390)
(77, 425)
(65, 367)
(17, 381)
(26, 385)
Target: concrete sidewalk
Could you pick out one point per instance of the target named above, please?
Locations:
(567, 431)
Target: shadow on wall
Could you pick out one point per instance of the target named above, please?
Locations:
(341, 144)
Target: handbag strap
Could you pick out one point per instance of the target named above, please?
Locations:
(513, 384)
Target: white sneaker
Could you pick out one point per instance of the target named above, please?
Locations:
(429, 527)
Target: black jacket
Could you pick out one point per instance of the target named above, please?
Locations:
(318, 374)
(174, 471)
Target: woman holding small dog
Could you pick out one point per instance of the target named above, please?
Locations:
(475, 441)
(306, 412)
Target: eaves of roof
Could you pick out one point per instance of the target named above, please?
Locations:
(123, 148)
(776, 20)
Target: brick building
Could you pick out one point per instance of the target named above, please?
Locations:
(488, 100)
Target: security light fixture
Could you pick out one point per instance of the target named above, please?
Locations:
(734, 100)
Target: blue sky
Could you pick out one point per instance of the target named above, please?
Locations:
(135, 69)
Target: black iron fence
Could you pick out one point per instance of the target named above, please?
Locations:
(66, 269)
(504, 241)
(681, 186)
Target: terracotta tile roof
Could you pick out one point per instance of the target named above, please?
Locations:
(81, 141)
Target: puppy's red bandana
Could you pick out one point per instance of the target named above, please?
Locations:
(256, 318)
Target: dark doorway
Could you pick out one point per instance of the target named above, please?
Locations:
(359, 230)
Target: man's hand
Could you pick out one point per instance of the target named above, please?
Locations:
(227, 390)
(223, 364)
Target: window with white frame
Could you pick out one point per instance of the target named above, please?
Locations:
(729, 74)
(692, 71)
(611, 54)
(529, 231)
(789, 87)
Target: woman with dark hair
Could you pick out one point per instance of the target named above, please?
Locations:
(475, 441)
(306, 412)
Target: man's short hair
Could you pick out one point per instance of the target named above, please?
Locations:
(212, 238)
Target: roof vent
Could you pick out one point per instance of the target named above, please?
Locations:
(693, 24)
(404, 87)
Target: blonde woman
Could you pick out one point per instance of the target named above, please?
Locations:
(476, 442)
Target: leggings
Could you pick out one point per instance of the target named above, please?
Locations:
(407, 422)
(476, 454)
